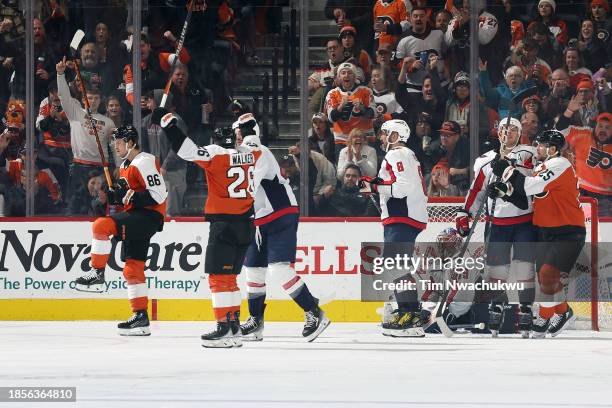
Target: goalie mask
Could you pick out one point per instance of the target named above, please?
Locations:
(449, 242)
(395, 126)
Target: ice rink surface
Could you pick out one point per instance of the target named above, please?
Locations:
(350, 365)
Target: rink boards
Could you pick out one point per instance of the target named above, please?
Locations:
(40, 259)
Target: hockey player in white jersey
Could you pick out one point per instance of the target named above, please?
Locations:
(403, 203)
(510, 248)
(273, 251)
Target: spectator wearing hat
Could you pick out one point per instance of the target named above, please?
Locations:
(173, 168)
(14, 133)
(455, 150)
(500, 97)
(533, 104)
(531, 127)
(357, 13)
(584, 105)
(526, 56)
(593, 50)
(557, 27)
(390, 21)
(603, 22)
(439, 182)
(346, 200)
(349, 105)
(321, 138)
(352, 52)
(357, 152)
(592, 151)
(322, 80)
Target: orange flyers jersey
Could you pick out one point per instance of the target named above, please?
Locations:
(390, 12)
(44, 177)
(143, 173)
(555, 189)
(342, 127)
(229, 174)
(593, 163)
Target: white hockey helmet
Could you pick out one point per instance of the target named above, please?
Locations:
(248, 125)
(398, 126)
(502, 131)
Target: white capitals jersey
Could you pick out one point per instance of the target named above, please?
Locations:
(273, 194)
(524, 159)
(403, 197)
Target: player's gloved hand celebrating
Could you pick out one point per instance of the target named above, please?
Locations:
(498, 190)
(120, 193)
(499, 166)
(462, 222)
(162, 117)
(369, 184)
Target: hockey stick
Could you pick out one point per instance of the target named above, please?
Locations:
(443, 300)
(74, 46)
(179, 48)
(479, 326)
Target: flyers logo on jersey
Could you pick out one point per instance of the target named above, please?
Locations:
(599, 158)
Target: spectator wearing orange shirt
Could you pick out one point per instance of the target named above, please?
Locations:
(592, 153)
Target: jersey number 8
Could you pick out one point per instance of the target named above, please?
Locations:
(239, 175)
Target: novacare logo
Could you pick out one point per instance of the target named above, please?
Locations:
(45, 257)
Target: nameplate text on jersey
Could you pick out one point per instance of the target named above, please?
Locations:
(239, 159)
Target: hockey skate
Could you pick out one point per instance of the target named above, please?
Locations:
(540, 327)
(560, 322)
(221, 337)
(315, 323)
(236, 332)
(525, 321)
(496, 318)
(404, 324)
(252, 329)
(137, 325)
(92, 281)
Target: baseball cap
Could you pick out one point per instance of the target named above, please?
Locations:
(604, 117)
(601, 3)
(531, 98)
(584, 84)
(450, 127)
(348, 30)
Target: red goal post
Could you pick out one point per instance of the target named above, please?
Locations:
(595, 312)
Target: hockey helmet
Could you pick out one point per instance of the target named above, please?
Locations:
(400, 127)
(551, 138)
(126, 133)
(449, 241)
(225, 137)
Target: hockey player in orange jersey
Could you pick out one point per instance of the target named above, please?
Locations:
(229, 209)
(142, 192)
(560, 222)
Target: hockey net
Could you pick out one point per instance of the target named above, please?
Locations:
(590, 282)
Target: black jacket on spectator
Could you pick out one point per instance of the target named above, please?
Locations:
(413, 104)
(329, 147)
(347, 202)
(359, 13)
(595, 55)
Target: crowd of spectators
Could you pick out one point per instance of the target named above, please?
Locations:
(404, 59)
(220, 41)
(409, 59)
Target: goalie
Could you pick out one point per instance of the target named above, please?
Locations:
(438, 267)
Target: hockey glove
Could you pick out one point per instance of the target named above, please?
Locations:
(498, 190)
(369, 184)
(118, 192)
(163, 117)
(462, 223)
(499, 166)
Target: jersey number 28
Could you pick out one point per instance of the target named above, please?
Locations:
(239, 174)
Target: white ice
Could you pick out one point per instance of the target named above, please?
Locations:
(350, 365)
